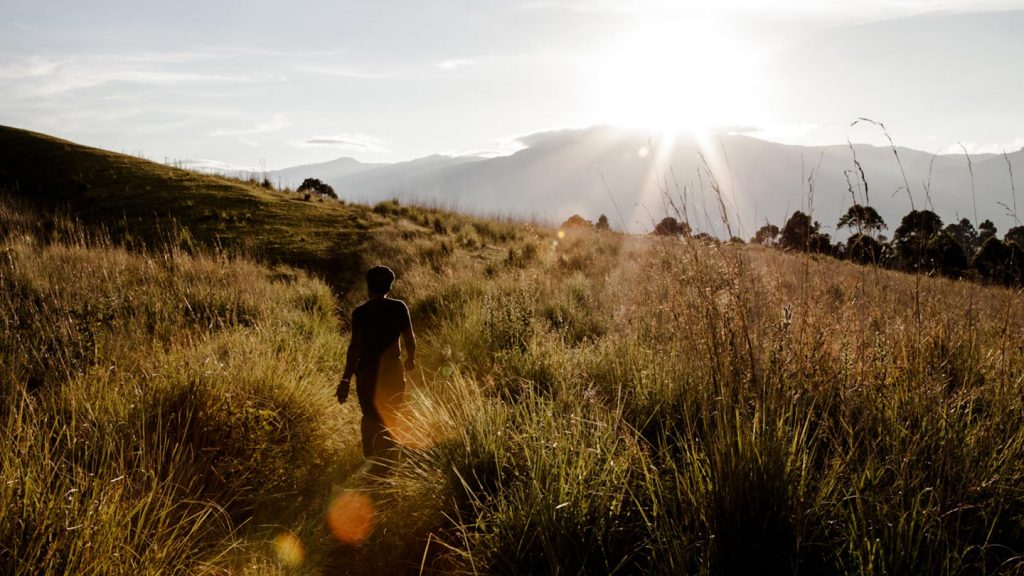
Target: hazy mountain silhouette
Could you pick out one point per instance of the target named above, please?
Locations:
(594, 170)
(339, 168)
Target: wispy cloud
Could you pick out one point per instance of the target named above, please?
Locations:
(985, 148)
(344, 72)
(352, 142)
(51, 76)
(836, 8)
(33, 67)
(503, 147)
(216, 166)
(455, 63)
(275, 123)
(585, 5)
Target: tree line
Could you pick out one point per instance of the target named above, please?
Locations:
(920, 244)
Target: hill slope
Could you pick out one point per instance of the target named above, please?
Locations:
(596, 404)
(138, 199)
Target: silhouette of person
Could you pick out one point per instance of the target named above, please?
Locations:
(374, 357)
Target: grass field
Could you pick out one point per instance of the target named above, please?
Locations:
(591, 403)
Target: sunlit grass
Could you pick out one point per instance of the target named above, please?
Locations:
(585, 403)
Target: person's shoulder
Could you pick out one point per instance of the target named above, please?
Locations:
(397, 304)
(361, 309)
(398, 307)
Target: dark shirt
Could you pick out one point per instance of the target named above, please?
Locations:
(380, 322)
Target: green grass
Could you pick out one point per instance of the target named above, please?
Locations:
(587, 404)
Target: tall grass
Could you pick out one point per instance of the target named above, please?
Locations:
(737, 411)
(590, 403)
(153, 403)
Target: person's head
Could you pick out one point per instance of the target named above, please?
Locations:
(379, 280)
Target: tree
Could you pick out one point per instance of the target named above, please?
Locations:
(315, 186)
(986, 230)
(1015, 235)
(707, 238)
(1016, 264)
(821, 242)
(864, 249)
(948, 256)
(766, 234)
(799, 233)
(991, 261)
(602, 223)
(965, 235)
(669, 226)
(576, 222)
(917, 229)
(796, 232)
(862, 219)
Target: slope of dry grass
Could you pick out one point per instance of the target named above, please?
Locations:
(592, 403)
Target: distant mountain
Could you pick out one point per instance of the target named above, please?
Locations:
(630, 176)
(332, 170)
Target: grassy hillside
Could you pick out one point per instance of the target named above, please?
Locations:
(585, 403)
(139, 201)
(152, 402)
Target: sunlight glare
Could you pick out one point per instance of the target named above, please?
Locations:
(675, 76)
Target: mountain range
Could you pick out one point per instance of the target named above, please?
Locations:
(636, 179)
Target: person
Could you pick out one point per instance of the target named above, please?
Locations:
(374, 357)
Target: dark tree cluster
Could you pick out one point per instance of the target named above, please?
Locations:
(801, 234)
(669, 226)
(919, 244)
(577, 222)
(318, 187)
(767, 235)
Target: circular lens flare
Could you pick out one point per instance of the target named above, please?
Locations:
(351, 518)
(288, 549)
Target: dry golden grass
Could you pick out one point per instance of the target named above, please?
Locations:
(588, 404)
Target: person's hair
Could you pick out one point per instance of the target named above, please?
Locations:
(379, 279)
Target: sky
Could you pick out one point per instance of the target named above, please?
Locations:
(266, 85)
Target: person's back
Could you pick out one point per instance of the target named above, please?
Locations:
(374, 357)
(381, 321)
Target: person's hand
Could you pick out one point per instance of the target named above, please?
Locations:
(342, 392)
(410, 363)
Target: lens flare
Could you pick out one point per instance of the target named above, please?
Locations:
(288, 549)
(351, 518)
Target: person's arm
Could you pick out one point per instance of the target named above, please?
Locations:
(409, 342)
(355, 348)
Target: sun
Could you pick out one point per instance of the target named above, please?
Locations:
(676, 76)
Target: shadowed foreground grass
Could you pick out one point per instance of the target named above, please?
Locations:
(592, 404)
(154, 403)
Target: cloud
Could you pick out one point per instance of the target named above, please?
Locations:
(503, 147)
(216, 166)
(344, 72)
(624, 6)
(836, 8)
(810, 134)
(275, 123)
(40, 77)
(985, 148)
(33, 67)
(352, 142)
(455, 63)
